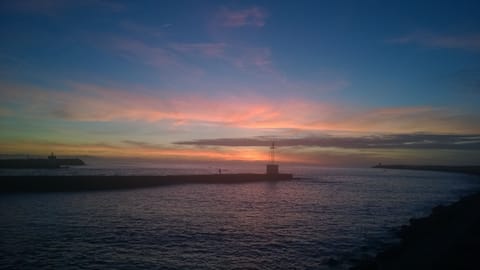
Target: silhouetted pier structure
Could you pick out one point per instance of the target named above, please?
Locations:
(51, 162)
(102, 182)
(272, 167)
(49, 183)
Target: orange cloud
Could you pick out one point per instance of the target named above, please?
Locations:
(84, 102)
(136, 150)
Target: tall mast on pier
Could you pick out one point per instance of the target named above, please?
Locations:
(272, 168)
(272, 153)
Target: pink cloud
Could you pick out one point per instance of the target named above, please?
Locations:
(253, 16)
(84, 102)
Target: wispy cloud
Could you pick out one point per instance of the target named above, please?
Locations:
(138, 50)
(254, 57)
(254, 16)
(175, 57)
(207, 49)
(159, 56)
(379, 141)
(448, 41)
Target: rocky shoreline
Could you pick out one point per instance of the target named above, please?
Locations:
(449, 238)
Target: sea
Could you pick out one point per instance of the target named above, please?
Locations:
(326, 218)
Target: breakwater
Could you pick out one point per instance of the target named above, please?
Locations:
(99, 182)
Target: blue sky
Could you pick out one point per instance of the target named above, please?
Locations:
(92, 77)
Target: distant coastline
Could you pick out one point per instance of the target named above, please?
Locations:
(51, 162)
(475, 170)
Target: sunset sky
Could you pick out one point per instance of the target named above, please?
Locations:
(331, 82)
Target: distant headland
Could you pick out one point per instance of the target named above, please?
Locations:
(51, 162)
(440, 168)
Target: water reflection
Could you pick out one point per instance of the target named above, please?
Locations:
(317, 222)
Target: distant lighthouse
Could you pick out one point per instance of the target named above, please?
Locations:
(272, 168)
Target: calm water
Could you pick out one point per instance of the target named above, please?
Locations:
(323, 222)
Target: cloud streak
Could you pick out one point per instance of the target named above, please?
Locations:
(469, 42)
(390, 141)
(180, 58)
(207, 49)
(137, 50)
(129, 148)
(254, 16)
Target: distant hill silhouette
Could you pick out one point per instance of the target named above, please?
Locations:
(38, 163)
(440, 168)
